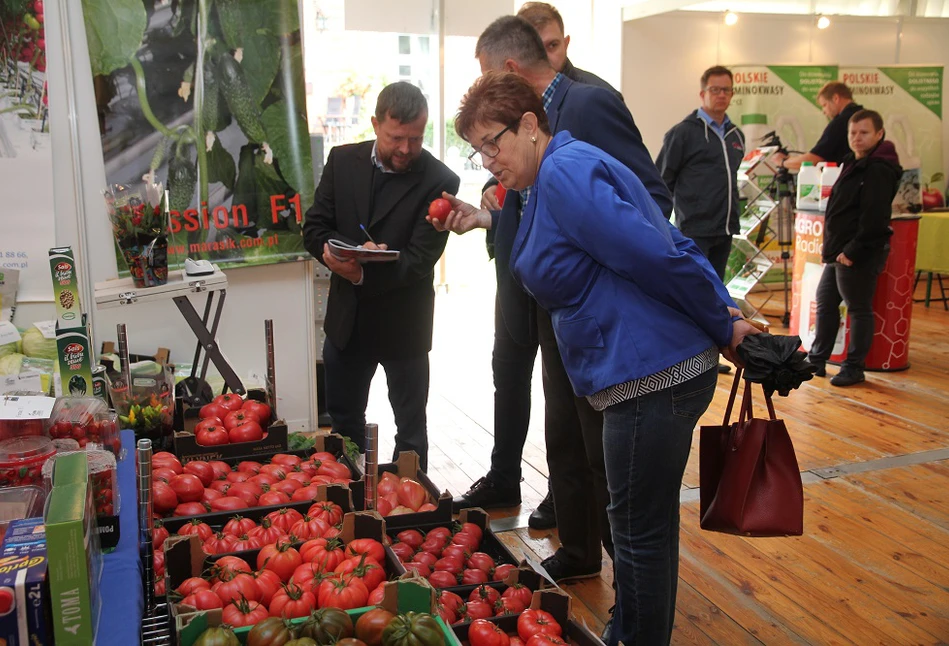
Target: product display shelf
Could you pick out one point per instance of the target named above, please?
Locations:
(748, 263)
(154, 623)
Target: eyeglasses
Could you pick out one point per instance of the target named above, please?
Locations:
(489, 149)
(720, 90)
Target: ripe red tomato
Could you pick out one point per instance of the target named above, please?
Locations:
(473, 577)
(249, 466)
(466, 540)
(246, 431)
(192, 585)
(238, 525)
(206, 422)
(210, 495)
(388, 483)
(262, 411)
(285, 459)
(187, 487)
(228, 503)
(439, 209)
(509, 606)
(502, 571)
(166, 460)
(221, 469)
(267, 534)
(442, 579)
(212, 436)
(404, 551)
(485, 593)
(244, 613)
(202, 470)
(329, 512)
(532, 622)
(191, 509)
(308, 528)
(369, 547)
(520, 592)
(479, 610)
(371, 572)
(291, 602)
(542, 639)
(344, 594)
(482, 632)
(203, 599)
(285, 518)
(199, 528)
(159, 534)
(164, 498)
(273, 498)
(411, 493)
(213, 410)
(236, 417)
(268, 583)
(419, 568)
(230, 401)
(412, 537)
(282, 559)
(481, 561)
(499, 193)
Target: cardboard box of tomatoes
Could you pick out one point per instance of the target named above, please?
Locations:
(228, 427)
(184, 559)
(399, 597)
(407, 466)
(549, 613)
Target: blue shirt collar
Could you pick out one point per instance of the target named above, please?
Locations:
(720, 129)
(375, 159)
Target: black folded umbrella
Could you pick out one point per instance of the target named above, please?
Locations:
(776, 362)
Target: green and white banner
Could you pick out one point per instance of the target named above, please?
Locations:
(910, 100)
(782, 99)
(208, 98)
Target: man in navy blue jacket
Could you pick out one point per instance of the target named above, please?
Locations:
(574, 431)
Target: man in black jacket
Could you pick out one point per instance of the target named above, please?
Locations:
(381, 312)
(699, 163)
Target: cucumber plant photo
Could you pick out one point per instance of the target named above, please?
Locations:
(208, 96)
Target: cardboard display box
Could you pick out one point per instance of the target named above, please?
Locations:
(400, 597)
(556, 602)
(71, 535)
(184, 559)
(407, 466)
(490, 545)
(187, 448)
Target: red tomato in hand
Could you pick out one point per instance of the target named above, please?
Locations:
(500, 192)
(439, 209)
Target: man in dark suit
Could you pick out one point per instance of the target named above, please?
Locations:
(574, 430)
(381, 313)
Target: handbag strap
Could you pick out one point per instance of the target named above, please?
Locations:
(747, 412)
(731, 397)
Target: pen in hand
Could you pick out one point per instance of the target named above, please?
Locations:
(364, 230)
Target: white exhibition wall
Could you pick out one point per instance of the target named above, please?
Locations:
(664, 55)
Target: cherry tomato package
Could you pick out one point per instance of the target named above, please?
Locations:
(102, 475)
(88, 421)
(19, 502)
(22, 460)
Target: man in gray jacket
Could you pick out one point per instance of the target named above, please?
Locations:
(699, 163)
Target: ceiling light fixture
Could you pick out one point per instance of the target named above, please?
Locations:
(731, 18)
(823, 22)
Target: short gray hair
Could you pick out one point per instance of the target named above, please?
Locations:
(402, 101)
(511, 37)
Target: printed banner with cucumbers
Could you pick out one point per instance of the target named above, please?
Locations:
(208, 98)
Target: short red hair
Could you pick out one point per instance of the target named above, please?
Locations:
(499, 97)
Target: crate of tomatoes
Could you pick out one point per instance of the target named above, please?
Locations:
(197, 488)
(456, 556)
(402, 616)
(285, 579)
(405, 495)
(546, 622)
(229, 426)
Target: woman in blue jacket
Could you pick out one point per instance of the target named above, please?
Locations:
(640, 318)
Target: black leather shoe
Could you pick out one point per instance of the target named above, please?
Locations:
(561, 572)
(724, 368)
(848, 378)
(487, 494)
(821, 368)
(607, 630)
(544, 517)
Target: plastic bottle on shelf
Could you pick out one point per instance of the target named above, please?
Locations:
(827, 178)
(808, 187)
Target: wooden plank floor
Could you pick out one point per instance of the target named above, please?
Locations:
(873, 564)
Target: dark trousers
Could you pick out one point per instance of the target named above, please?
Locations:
(574, 434)
(647, 441)
(513, 366)
(717, 250)
(855, 286)
(349, 374)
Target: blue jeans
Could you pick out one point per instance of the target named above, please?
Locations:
(646, 443)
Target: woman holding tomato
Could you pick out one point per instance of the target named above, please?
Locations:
(640, 318)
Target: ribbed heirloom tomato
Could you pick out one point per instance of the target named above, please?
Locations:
(482, 632)
(533, 622)
(292, 601)
(324, 552)
(280, 558)
(344, 594)
(244, 613)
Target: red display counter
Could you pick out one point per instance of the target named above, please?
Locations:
(892, 304)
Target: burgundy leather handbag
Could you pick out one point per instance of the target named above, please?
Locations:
(749, 480)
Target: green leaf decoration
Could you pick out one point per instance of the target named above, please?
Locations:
(221, 166)
(114, 31)
(289, 138)
(291, 82)
(260, 63)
